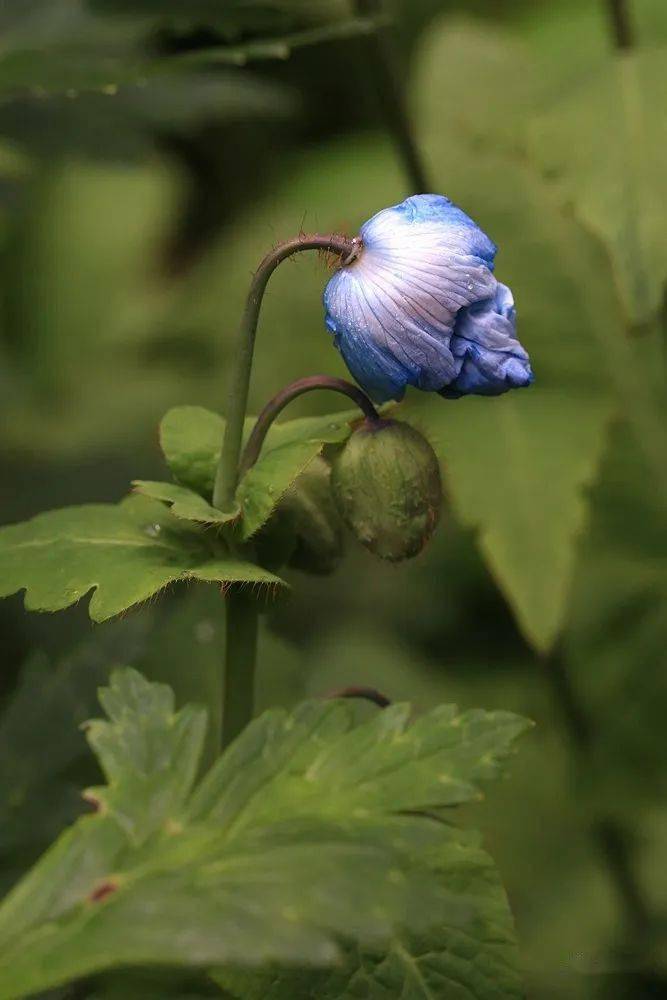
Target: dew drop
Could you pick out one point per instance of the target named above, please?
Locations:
(152, 530)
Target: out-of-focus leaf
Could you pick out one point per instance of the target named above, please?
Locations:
(280, 47)
(183, 503)
(617, 626)
(125, 553)
(604, 148)
(479, 961)
(64, 46)
(232, 19)
(293, 840)
(43, 756)
(499, 454)
(119, 121)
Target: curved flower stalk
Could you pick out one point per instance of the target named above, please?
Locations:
(419, 305)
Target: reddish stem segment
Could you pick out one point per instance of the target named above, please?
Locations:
(292, 391)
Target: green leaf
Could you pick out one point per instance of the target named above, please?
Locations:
(479, 962)
(287, 452)
(184, 503)
(617, 624)
(56, 46)
(515, 471)
(297, 838)
(148, 753)
(43, 758)
(126, 553)
(191, 439)
(604, 149)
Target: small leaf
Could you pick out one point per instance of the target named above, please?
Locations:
(288, 450)
(126, 553)
(184, 503)
(191, 439)
(266, 861)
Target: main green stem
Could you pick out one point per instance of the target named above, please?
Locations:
(227, 474)
(241, 608)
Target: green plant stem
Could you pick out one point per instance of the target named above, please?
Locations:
(611, 839)
(388, 75)
(228, 468)
(621, 26)
(238, 690)
(276, 405)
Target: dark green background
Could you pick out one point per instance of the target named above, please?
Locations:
(130, 223)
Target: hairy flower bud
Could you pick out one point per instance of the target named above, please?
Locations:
(386, 483)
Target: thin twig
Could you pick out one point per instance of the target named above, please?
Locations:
(621, 24)
(367, 693)
(389, 75)
(277, 404)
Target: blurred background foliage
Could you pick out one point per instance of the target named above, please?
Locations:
(150, 153)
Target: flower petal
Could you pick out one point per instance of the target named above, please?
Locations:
(392, 310)
(485, 340)
(403, 311)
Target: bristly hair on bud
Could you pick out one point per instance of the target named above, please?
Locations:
(387, 485)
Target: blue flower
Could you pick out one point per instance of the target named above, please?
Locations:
(420, 306)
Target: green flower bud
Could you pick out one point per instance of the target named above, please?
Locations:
(386, 483)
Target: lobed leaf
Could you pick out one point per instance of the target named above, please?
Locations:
(125, 553)
(477, 962)
(261, 863)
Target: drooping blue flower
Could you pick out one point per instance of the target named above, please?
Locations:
(420, 306)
